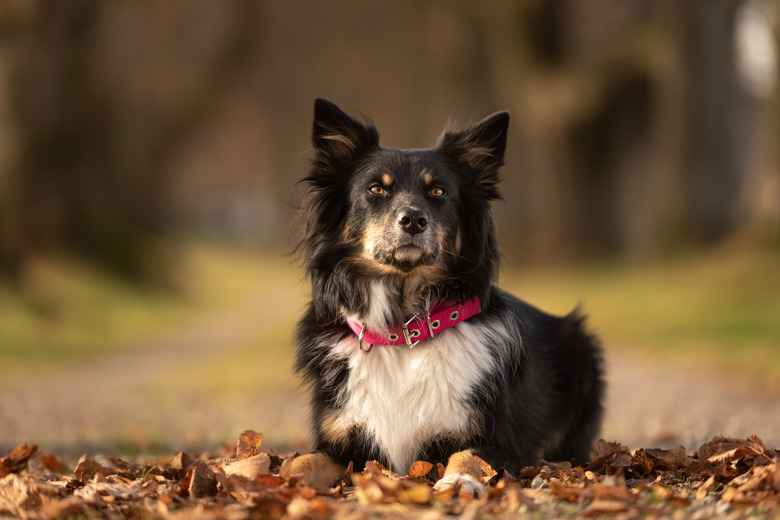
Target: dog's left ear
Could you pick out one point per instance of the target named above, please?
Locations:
(479, 147)
(338, 137)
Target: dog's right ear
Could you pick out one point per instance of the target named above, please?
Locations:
(337, 136)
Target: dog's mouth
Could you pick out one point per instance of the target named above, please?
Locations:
(409, 256)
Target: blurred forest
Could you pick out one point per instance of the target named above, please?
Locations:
(638, 126)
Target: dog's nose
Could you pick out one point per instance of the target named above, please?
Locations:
(412, 221)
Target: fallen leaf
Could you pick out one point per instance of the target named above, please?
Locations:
(248, 444)
(181, 461)
(643, 465)
(610, 457)
(670, 460)
(724, 449)
(487, 470)
(419, 494)
(200, 481)
(19, 493)
(16, 461)
(94, 490)
(420, 469)
(50, 462)
(88, 467)
(736, 474)
(602, 507)
(250, 467)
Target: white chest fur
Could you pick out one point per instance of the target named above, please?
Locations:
(404, 398)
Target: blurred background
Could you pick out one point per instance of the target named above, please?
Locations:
(149, 153)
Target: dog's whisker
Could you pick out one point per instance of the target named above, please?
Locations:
(452, 253)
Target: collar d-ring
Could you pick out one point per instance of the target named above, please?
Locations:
(365, 347)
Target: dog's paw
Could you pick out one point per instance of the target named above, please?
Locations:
(313, 469)
(458, 481)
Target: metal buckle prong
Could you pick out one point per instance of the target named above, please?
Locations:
(407, 337)
(430, 324)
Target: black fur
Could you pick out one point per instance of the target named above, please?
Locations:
(542, 396)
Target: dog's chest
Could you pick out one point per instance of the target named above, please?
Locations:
(404, 398)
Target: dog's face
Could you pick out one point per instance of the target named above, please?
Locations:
(402, 212)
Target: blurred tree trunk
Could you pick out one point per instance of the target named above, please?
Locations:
(634, 137)
(759, 211)
(715, 172)
(629, 134)
(94, 129)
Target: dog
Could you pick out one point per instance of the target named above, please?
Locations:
(410, 350)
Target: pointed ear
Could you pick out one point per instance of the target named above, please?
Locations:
(339, 137)
(479, 147)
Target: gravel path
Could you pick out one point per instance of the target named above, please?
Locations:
(655, 405)
(104, 403)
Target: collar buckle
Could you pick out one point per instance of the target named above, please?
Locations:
(432, 322)
(408, 336)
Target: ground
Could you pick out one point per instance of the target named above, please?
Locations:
(160, 395)
(227, 369)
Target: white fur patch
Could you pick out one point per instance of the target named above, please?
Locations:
(404, 398)
(380, 313)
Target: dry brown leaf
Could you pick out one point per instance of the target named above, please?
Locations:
(307, 508)
(487, 470)
(671, 460)
(16, 461)
(735, 471)
(248, 444)
(707, 486)
(643, 465)
(569, 492)
(724, 449)
(420, 469)
(610, 457)
(419, 494)
(50, 462)
(200, 481)
(88, 467)
(22, 492)
(249, 467)
(95, 490)
(181, 461)
(602, 507)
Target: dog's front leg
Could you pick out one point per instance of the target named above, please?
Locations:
(463, 472)
(313, 469)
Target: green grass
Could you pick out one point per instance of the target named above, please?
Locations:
(64, 312)
(719, 309)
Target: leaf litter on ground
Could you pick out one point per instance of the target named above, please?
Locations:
(724, 478)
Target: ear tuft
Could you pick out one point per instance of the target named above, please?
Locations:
(338, 136)
(479, 147)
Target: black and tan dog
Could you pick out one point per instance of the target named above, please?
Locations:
(410, 350)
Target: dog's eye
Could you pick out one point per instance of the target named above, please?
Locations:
(438, 191)
(376, 189)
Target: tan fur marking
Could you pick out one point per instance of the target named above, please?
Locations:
(476, 154)
(371, 235)
(312, 469)
(464, 463)
(341, 146)
(428, 178)
(332, 430)
(386, 179)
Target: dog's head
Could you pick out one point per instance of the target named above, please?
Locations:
(403, 212)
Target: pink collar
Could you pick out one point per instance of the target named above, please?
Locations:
(441, 316)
